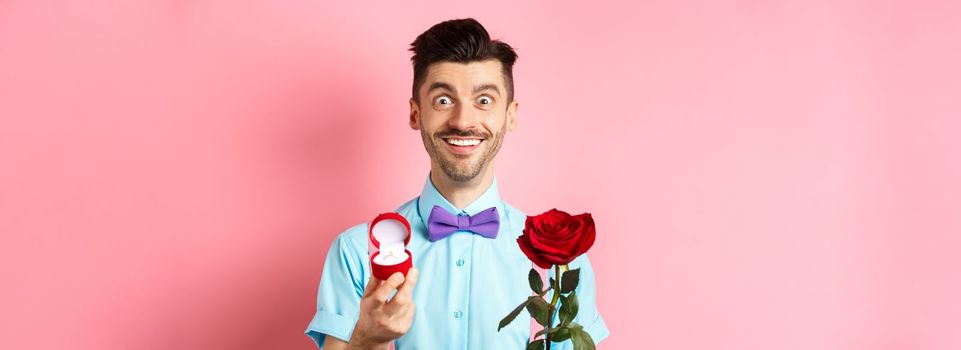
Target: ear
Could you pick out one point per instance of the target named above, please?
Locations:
(512, 115)
(414, 115)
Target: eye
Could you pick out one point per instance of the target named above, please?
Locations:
(485, 100)
(443, 100)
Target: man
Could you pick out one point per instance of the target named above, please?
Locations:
(462, 284)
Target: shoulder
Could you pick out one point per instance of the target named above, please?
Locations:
(354, 239)
(351, 241)
(408, 209)
(513, 212)
(515, 218)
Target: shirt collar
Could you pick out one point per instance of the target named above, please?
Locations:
(429, 197)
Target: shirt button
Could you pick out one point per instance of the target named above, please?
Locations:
(460, 262)
(458, 314)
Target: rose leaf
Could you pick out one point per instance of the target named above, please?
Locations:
(538, 309)
(511, 316)
(537, 285)
(569, 280)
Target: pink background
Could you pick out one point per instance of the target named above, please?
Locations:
(765, 175)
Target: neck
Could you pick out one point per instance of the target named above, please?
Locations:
(461, 193)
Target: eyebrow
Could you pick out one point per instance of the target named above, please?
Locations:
(478, 88)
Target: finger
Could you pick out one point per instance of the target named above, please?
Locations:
(383, 291)
(372, 284)
(406, 290)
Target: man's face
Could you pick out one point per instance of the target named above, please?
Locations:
(462, 115)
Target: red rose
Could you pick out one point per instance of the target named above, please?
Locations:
(556, 237)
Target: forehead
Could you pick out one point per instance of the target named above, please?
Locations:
(464, 76)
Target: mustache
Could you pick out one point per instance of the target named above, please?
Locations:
(461, 133)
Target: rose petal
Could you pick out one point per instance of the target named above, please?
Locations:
(531, 253)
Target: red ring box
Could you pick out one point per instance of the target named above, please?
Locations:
(390, 233)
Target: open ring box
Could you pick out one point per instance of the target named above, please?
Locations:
(390, 233)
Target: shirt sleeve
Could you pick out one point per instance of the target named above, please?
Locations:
(587, 314)
(339, 293)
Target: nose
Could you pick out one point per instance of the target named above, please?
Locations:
(464, 117)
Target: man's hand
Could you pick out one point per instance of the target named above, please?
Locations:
(381, 321)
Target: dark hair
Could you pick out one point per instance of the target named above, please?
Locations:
(462, 41)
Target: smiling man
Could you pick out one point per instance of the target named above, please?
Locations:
(463, 282)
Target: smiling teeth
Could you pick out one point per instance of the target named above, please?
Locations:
(469, 142)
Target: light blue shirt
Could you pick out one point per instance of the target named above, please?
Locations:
(467, 282)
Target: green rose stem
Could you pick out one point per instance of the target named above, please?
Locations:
(554, 299)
